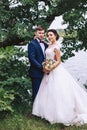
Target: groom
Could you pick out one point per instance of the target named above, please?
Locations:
(36, 55)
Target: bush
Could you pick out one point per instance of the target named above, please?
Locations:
(14, 81)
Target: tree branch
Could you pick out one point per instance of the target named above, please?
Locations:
(11, 41)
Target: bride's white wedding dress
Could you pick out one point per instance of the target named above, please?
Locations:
(60, 99)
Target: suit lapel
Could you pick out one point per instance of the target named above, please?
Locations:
(39, 47)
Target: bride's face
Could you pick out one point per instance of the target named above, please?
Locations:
(51, 37)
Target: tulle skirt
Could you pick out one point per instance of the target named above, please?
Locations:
(60, 99)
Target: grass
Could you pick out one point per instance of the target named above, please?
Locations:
(21, 122)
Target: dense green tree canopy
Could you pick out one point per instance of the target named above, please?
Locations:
(17, 22)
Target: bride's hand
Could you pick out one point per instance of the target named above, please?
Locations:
(46, 70)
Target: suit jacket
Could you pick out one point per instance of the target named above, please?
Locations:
(36, 57)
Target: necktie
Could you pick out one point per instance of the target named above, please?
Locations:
(41, 41)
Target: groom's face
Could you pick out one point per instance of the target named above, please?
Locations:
(40, 34)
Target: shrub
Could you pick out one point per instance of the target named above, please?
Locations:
(14, 81)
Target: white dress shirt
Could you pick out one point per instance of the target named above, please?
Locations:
(42, 46)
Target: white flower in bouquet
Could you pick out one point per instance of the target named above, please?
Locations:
(48, 64)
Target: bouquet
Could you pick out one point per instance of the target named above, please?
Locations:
(48, 64)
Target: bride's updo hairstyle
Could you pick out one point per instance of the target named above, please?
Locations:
(55, 33)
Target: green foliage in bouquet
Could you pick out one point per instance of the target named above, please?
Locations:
(15, 84)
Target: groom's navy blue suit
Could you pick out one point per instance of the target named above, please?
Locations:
(36, 57)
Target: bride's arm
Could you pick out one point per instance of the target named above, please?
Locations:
(57, 58)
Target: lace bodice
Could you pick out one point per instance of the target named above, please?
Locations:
(50, 51)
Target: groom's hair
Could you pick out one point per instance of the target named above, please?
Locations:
(39, 28)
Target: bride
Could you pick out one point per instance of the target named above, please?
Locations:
(60, 99)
